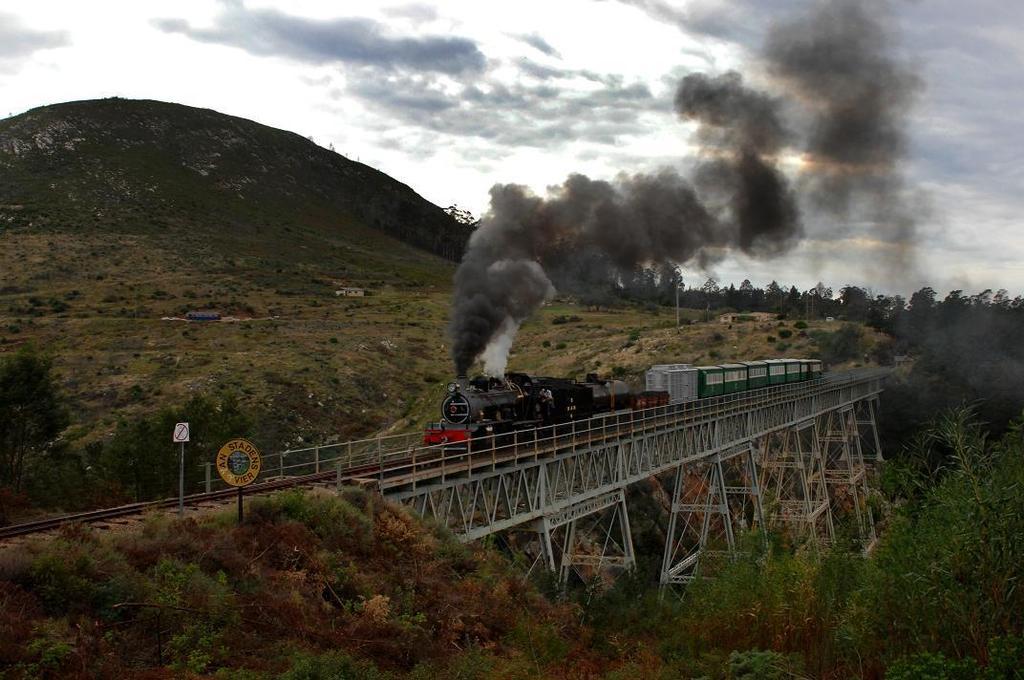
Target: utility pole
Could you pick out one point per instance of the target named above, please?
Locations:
(677, 306)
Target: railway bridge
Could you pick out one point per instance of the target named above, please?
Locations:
(793, 456)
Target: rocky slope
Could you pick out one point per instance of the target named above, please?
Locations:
(149, 166)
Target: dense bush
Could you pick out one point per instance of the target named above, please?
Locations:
(311, 586)
(841, 345)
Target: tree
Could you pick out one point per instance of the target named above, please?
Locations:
(31, 413)
(775, 296)
(142, 463)
(855, 303)
(920, 315)
(793, 302)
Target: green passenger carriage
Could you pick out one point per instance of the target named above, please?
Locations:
(792, 370)
(776, 371)
(710, 381)
(757, 374)
(734, 378)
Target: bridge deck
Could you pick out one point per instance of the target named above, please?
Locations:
(533, 474)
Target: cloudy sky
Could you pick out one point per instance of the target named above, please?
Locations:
(452, 97)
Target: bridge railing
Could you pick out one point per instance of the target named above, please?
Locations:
(439, 461)
(393, 458)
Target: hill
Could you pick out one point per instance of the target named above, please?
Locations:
(152, 167)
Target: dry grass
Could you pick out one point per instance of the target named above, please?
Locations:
(321, 368)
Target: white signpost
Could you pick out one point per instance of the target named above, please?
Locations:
(181, 433)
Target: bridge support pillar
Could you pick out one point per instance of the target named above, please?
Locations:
(712, 501)
(794, 482)
(845, 471)
(547, 552)
(594, 533)
(598, 539)
(867, 429)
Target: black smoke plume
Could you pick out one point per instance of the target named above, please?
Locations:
(837, 63)
(737, 196)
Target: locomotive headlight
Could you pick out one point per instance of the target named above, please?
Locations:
(452, 387)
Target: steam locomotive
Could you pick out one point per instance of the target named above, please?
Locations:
(484, 406)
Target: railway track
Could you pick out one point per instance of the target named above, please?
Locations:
(190, 501)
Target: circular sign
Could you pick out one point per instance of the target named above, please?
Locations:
(238, 462)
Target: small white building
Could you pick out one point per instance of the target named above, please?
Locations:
(350, 292)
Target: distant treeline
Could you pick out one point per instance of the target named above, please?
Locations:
(964, 348)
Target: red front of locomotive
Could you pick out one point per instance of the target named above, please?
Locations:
(445, 433)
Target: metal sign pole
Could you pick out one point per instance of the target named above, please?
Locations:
(240, 504)
(181, 482)
(180, 436)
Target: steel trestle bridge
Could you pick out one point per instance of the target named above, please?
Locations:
(794, 456)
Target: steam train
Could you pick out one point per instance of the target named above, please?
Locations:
(485, 406)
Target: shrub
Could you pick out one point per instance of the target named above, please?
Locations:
(331, 666)
(785, 333)
(800, 325)
(757, 665)
(560, 345)
(841, 345)
(933, 667)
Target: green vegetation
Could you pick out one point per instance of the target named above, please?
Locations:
(838, 346)
(937, 599)
(315, 585)
(311, 586)
(31, 415)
